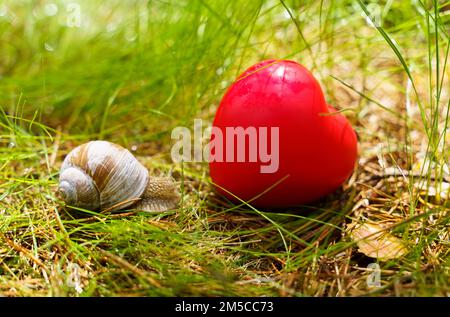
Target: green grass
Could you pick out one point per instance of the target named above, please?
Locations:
(134, 70)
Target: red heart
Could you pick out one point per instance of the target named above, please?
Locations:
(317, 149)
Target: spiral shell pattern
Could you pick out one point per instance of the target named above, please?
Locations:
(110, 170)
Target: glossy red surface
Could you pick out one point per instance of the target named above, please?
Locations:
(317, 152)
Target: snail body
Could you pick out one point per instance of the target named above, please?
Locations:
(101, 175)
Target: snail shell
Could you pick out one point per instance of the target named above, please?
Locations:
(103, 175)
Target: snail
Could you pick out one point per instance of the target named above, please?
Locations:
(100, 175)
